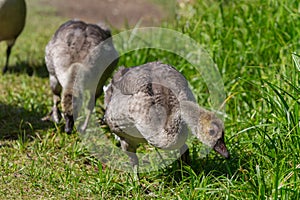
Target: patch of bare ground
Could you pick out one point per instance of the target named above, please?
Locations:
(116, 13)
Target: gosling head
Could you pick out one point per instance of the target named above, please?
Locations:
(210, 131)
(206, 126)
(67, 108)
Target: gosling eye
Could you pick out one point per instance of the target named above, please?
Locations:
(212, 132)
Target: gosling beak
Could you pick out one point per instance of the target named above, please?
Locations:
(220, 147)
(69, 124)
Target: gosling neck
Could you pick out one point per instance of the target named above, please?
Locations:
(192, 114)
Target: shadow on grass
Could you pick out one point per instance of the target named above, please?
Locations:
(211, 165)
(16, 121)
(29, 69)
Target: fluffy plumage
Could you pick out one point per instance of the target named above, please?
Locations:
(153, 103)
(79, 57)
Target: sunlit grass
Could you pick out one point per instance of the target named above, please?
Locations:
(255, 45)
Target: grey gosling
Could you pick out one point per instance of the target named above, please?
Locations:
(153, 104)
(78, 52)
(12, 21)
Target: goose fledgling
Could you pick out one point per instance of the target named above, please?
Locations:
(152, 103)
(78, 52)
(12, 21)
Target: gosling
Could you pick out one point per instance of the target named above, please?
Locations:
(153, 104)
(12, 22)
(79, 55)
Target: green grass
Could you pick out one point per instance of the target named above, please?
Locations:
(252, 44)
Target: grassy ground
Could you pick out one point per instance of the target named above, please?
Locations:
(250, 41)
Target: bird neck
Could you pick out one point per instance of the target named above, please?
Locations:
(71, 87)
(192, 114)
